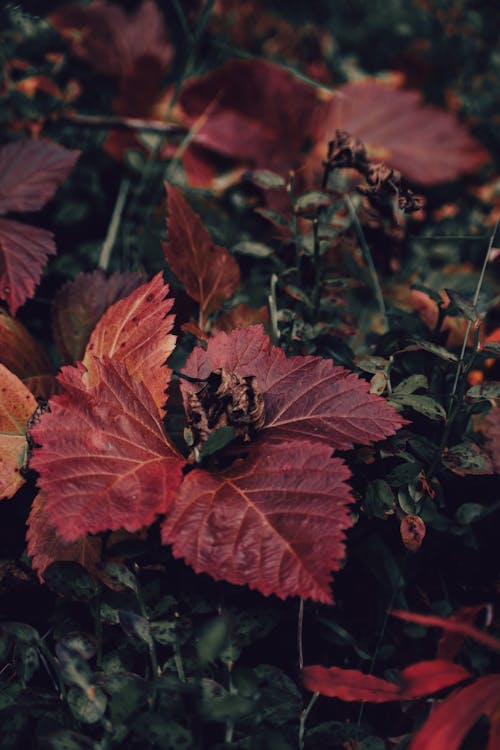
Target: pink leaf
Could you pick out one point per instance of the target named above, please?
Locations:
(104, 461)
(259, 522)
(419, 679)
(305, 397)
(31, 172)
(23, 253)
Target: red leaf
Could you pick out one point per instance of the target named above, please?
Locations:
(209, 273)
(412, 531)
(450, 721)
(490, 427)
(419, 679)
(259, 522)
(305, 397)
(31, 172)
(241, 316)
(112, 40)
(17, 406)
(23, 356)
(450, 643)
(79, 304)
(450, 625)
(45, 546)
(136, 331)
(23, 254)
(427, 144)
(104, 461)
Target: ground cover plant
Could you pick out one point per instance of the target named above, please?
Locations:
(249, 380)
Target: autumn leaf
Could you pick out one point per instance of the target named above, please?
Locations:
(412, 530)
(17, 405)
(490, 427)
(79, 304)
(24, 357)
(306, 397)
(44, 545)
(451, 720)
(450, 625)
(258, 523)
(103, 459)
(136, 331)
(30, 172)
(419, 679)
(209, 273)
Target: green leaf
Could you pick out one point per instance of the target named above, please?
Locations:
(66, 740)
(298, 294)
(492, 348)
(310, 204)
(217, 440)
(463, 305)
(485, 390)
(135, 626)
(159, 731)
(280, 700)
(81, 643)
(165, 631)
(439, 351)
(19, 630)
(119, 576)
(71, 580)
(74, 669)
(212, 640)
(379, 499)
(371, 364)
(255, 249)
(404, 473)
(411, 384)
(26, 661)
(470, 512)
(266, 179)
(128, 693)
(88, 705)
(467, 458)
(217, 704)
(340, 636)
(422, 404)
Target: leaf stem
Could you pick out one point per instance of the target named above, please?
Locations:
(114, 224)
(303, 718)
(367, 256)
(273, 310)
(318, 270)
(300, 626)
(117, 122)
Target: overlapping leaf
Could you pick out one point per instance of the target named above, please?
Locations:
(209, 273)
(305, 397)
(17, 405)
(258, 523)
(491, 429)
(45, 546)
(136, 331)
(23, 356)
(419, 679)
(104, 462)
(80, 304)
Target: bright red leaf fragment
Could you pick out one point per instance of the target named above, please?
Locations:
(136, 331)
(17, 405)
(31, 172)
(24, 357)
(104, 461)
(259, 522)
(46, 547)
(419, 679)
(209, 273)
(412, 530)
(305, 397)
(450, 721)
(450, 625)
(79, 304)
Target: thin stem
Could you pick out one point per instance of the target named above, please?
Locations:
(194, 41)
(183, 20)
(273, 310)
(123, 123)
(303, 718)
(318, 270)
(114, 224)
(300, 626)
(178, 661)
(367, 256)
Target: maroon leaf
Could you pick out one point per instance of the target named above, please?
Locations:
(450, 721)
(104, 461)
(209, 273)
(79, 305)
(23, 253)
(419, 679)
(31, 172)
(305, 397)
(112, 40)
(490, 427)
(450, 626)
(258, 523)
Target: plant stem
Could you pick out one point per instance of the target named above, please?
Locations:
(124, 123)
(273, 310)
(367, 256)
(303, 718)
(114, 224)
(300, 626)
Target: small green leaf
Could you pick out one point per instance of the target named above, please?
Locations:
(485, 390)
(119, 576)
(19, 630)
(87, 705)
(439, 351)
(371, 364)
(75, 670)
(255, 249)
(135, 626)
(81, 643)
(309, 204)
(411, 384)
(67, 740)
(217, 704)
(404, 473)
(422, 404)
(463, 305)
(299, 295)
(217, 440)
(160, 732)
(128, 693)
(467, 458)
(469, 512)
(26, 661)
(492, 348)
(212, 640)
(71, 580)
(165, 631)
(379, 499)
(266, 179)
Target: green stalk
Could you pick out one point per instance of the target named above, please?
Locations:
(114, 224)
